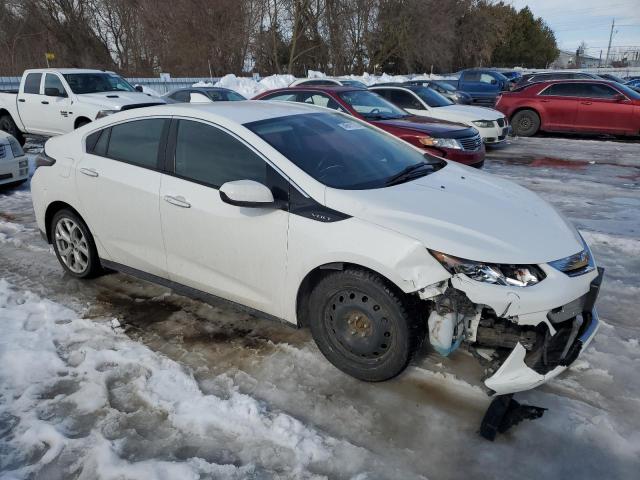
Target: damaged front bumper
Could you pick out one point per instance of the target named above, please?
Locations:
(523, 337)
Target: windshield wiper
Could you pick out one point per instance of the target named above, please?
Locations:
(407, 173)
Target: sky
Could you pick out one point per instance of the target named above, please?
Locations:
(590, 20)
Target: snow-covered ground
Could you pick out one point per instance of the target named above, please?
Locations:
(116, 378)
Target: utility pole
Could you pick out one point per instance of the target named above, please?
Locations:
(606, 60)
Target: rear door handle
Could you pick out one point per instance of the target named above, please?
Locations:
(586, 103)
(544, 101)
(21, 100)
(178, 201)
(90, 172)
(44, 102)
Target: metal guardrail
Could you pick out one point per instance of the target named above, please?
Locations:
(157, 84)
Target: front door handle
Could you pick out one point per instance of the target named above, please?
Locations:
(90, 172)
(585, 103)
(21, 100)
(44, 102)
(545, 101)
(178, 201)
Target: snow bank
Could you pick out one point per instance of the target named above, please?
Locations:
(78, 398)
(250, 87)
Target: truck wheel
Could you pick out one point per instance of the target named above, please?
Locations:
(8, 125)
(74, 245)
(526, 123)
(362, 326)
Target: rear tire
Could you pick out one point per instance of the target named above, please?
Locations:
(74, 245)
(525, 123)
(362, 325)
(8, 125)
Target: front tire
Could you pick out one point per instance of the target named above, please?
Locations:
(8, 125)
(74, 245)
(526, 123)
(362, 325)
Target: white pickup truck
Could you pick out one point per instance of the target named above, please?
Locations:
(55, 101)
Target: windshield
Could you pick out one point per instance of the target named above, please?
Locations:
(97, 82)
(343, 153)
(432, 98)
(629, 92)
(372, 106)
(445, 86)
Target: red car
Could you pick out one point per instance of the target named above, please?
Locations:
(589, 106)
(452, 141)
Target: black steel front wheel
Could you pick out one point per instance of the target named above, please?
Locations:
(363, 325)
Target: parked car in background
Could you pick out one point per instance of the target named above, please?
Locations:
(634, 84)
(327, 81)
(452, 141)
(445, 89)
(14, 166)
(423, 101)
(56, 101)
(318, 219)
(589, 106)
(611, 77)
(202, 95)
(484, 85)
(534, 77)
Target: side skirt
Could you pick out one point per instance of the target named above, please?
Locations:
(191, 292)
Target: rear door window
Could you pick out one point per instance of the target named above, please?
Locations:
(136, 142)
(563, 90)
(32, 83)
(181, 96)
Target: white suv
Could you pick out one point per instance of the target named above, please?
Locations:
(319, 219)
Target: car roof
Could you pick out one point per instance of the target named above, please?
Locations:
(238, 112)
(320, 88)
(66, 70)
(209, 89)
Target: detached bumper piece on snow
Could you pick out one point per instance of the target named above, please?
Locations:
(503, 413)
(540, 354)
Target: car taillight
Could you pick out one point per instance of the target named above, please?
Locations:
(44, 160)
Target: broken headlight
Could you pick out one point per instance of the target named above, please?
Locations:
(498, 274)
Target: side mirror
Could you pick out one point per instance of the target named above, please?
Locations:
(494, 82)
(247, 193)
(54, 92)
(139, 88)
(619, 98)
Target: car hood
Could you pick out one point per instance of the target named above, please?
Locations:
(428, 125)
(466, 213)
(117, 100)
(468, 113)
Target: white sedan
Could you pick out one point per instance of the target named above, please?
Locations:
(418, 100)
(316, 218)
(14, 166)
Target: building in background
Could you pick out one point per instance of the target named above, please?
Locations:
(569, 59)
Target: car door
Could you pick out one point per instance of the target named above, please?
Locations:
(602, 108)
(29, 104)
(558, 106)
(233, 252)
(118, 184)
(55, 109)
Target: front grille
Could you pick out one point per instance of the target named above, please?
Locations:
(471, 143)
(501, 122)
(3, 151)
